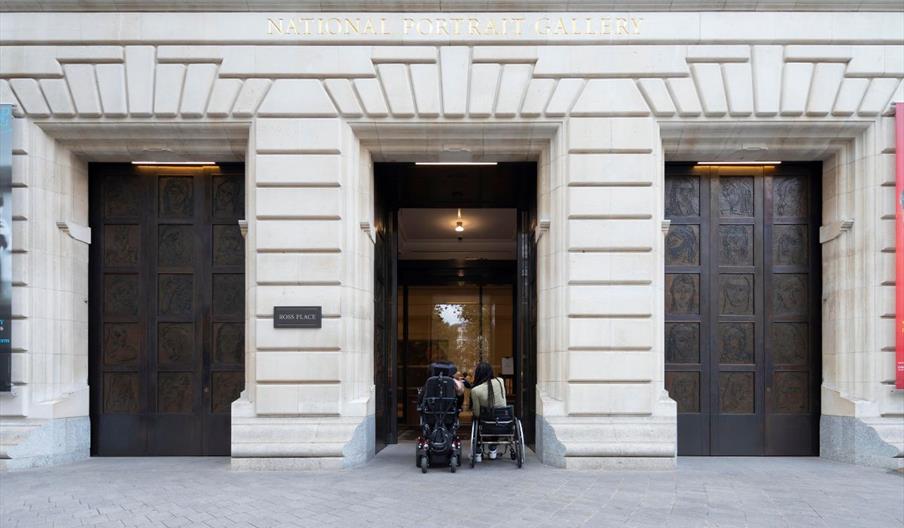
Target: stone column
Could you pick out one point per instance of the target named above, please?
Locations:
(613, 410)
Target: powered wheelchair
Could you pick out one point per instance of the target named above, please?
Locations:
(501, 427)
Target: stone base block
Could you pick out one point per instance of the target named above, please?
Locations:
(286, 464)
(855, 441)
(620, 463)
(26, 443)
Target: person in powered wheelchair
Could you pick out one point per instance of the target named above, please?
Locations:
(494, 425)
(439, 404)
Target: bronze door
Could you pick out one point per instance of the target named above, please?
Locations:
(742, 308)
(167, 308)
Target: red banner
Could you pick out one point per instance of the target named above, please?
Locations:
(899, 246)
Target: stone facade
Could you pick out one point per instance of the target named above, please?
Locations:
(309, 101)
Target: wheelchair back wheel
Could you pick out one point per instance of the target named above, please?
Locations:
(473, 442)
(519, 443)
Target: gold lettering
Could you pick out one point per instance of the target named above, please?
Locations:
(473, 26)
(518, 22)
(605, 26)
(307, 25)
(541, 26)
(457, 22)
(407, 24)
(442, 26)
(588, 27)
(333, 26)
(635, 24)
(490, 28)
(383, 30)
(420, 26)
(292, 27)
(320, 26)
(560, 28)
(272, 26)
(574, 27)
(369, 27)
(621, 26)
(352, 26)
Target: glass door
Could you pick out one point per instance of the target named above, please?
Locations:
(461, 323)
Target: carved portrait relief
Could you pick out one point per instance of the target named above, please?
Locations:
(176, 195)
(789, 196)
(683, 245)
(736, 294)
(736, 196)
(682, 196)
(682, 293)
(789, 245)
(736, 245)
(682, 342)
(789, 294)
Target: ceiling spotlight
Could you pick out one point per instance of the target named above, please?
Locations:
(459, 228)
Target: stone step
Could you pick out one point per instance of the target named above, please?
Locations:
(14, 433)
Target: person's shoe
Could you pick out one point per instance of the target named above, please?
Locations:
(478, 458)
(492, 454)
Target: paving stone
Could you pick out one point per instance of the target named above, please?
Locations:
(390, 492)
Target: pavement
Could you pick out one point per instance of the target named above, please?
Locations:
(390, 491)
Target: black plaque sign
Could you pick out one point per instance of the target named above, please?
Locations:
(297, 317)
(6, 246)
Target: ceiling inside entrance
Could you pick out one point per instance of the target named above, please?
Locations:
(429, 234)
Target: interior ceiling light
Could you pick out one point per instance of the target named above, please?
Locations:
(174, 163)
(455, 163)
(739, 163)
(459, 225)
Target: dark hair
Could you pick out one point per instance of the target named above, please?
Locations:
(484, 374)
(444, 367)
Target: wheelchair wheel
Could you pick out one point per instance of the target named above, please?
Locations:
(519, 443)
(424, 464)
(453, 464)
(417, 460)
(473, 442)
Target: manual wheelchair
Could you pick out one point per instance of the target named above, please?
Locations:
(498, 426)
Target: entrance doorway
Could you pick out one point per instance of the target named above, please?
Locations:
(167, 308)
(742, 293)
(454, 280)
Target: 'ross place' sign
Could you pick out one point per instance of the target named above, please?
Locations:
(297, 317)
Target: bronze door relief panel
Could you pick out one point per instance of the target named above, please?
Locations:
(742, 312)
(167, 308)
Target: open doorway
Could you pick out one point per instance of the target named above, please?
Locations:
(455, 280)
